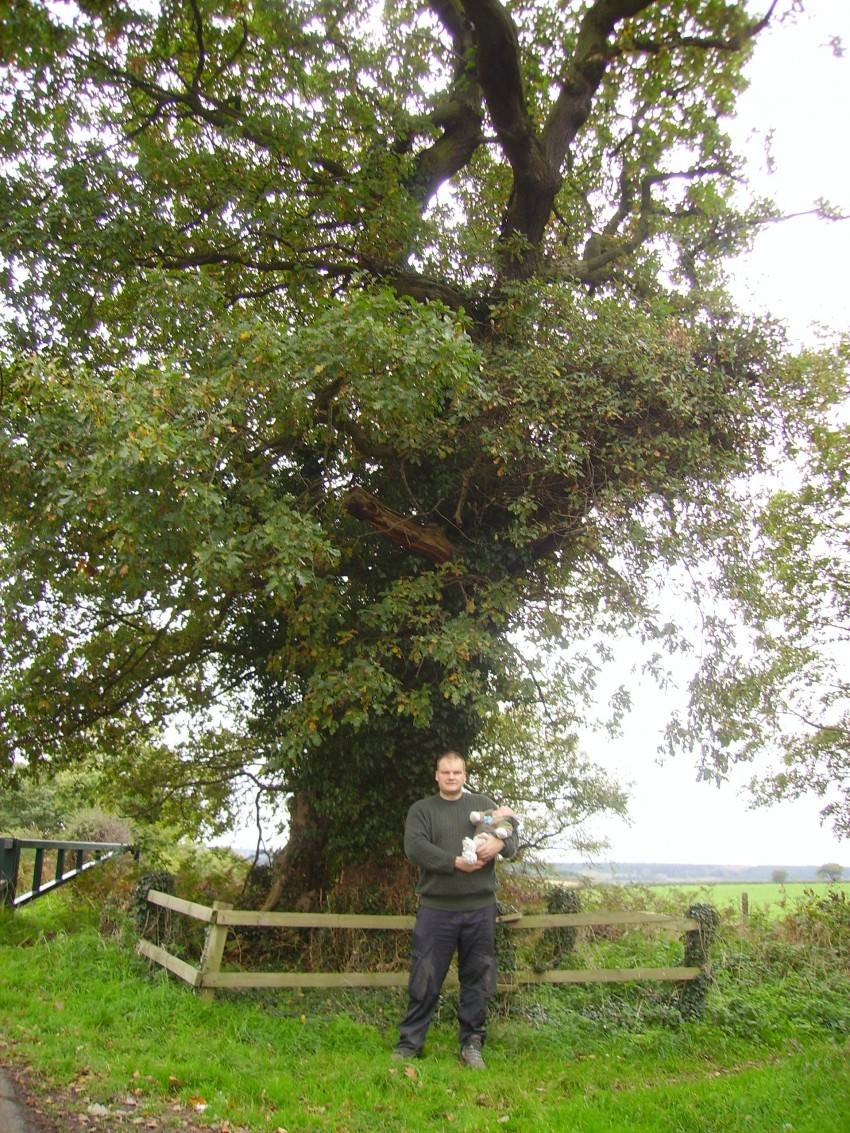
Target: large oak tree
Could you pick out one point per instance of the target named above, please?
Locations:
(345, 348)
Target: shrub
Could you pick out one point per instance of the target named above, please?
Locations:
(822, 921)
(92, 824)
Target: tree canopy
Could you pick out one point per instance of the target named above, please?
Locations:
(348, 353)
(774, 675)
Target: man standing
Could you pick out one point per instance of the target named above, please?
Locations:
(457, 911)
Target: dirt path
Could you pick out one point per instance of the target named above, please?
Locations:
(16, 1111)
(29, 1106)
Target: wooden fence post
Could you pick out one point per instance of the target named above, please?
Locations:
(697, 944)
(153, 920)
(556, 944)
(559, 899)
(506, 959)
(213, 948)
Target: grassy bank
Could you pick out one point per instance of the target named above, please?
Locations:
(128, 1044)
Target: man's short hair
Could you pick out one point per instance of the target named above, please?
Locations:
(449, 755)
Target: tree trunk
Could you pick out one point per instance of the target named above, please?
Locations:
(353, 792)
(300, 870)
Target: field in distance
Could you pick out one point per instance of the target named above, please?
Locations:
(760, 894)
(727, 895)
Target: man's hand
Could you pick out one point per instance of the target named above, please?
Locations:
(468, 867)
(490, 848)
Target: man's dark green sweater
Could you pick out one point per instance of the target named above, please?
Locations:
(433, 838)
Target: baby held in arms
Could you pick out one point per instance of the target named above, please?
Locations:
(498, 822)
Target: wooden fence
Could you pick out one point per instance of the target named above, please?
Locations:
(221, 917)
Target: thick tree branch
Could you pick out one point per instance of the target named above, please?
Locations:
(425, 289)
(460, 114)
(364, 444)
(535, 182)
(584, 74)
(418, 538)
(536, 160)
(501, 80)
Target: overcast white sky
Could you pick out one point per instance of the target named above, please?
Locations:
(800, 90)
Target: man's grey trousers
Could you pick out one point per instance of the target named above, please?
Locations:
(438, 933)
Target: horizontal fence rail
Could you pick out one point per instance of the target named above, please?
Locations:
(71, 860)
(220, 918)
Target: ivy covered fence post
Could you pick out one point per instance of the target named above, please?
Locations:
(152, 921)
(506, 949)
(559, 899)
(697, 952)
(557, 943)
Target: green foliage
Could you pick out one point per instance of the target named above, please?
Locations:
(47, 809)
(823, 920)
(780, 684)
(296, 448)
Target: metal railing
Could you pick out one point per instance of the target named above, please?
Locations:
(71, 859)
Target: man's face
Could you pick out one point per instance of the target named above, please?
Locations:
(450, 777)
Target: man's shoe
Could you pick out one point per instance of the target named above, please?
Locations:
(403, 1053)
(470, 1054)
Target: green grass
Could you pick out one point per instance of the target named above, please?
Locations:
(770, 1053)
